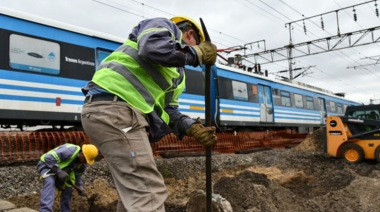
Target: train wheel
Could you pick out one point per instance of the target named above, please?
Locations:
(377, 154)
(353, 153)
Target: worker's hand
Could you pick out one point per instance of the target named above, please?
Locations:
(206, 52)
(82, 192)
(63, 175)
(204, 135)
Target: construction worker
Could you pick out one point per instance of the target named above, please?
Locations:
(60, 169)
(137, 88)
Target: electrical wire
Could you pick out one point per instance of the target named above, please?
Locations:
(340, 51)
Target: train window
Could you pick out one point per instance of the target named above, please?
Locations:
(230, 89)
(339, 107)
(225, 88)
(35, 55)
(275, 92)
(285, 98)
(252, 93)
(298, 100)
(101, 55)
(191, 87)
(309, 103)
(239, 90)
(332, 107)
(254, 89)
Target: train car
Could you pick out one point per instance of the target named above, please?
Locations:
(246, 101)
(44, 64)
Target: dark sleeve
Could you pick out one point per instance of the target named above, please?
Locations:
(179, 122)
(158, 41)
(78, 174)
(63, 154)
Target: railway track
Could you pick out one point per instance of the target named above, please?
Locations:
(22, 147)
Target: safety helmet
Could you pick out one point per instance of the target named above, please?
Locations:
(90, 152)
(179, 19)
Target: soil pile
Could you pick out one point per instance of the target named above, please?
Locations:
(303, 178)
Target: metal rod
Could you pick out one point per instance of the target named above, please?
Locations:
(208, 123)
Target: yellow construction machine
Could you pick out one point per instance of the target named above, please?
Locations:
(355, 136)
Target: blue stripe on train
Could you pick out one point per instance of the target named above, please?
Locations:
(299, 118)
(36, 78)
(298, 113)
(44, 90)
(239, 114)
(40, 99)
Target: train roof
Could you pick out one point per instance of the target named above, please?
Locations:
(57, 24)
(293, 84)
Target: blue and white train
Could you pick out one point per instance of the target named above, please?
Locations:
(248, 101)
(44, 64)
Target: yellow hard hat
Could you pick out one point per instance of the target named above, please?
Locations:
(182, 18)
(90, 152)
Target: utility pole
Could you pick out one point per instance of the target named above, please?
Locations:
(290, 53)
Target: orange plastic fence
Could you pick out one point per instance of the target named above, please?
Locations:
(24, 146)
(29, 146)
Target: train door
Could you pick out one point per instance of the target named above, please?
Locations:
(322, 109)
(266, 103)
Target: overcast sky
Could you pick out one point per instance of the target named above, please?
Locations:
(240, 22)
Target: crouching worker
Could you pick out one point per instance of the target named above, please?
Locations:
(60, 169)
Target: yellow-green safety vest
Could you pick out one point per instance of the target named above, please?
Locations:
(146, 86)
(63, 164)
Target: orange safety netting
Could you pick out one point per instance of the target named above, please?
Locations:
(29, 146)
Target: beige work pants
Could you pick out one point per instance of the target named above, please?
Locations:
(119, 132)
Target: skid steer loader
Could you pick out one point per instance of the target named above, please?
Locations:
(356, 135)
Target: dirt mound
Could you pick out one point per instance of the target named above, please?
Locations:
(250, 191)
(313, 142)
(300, 179)
(102, 197)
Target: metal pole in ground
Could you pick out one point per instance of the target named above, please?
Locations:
(208, 123)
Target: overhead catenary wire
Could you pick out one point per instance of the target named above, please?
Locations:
(341, 52)
(162, 11)
(300, 14)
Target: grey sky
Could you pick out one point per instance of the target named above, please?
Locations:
(238, 22)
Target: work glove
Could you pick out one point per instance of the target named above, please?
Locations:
(204, 135)
(82, 192)
(63, 175)
(206, 52)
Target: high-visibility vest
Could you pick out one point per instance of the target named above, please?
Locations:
(62, 164)
(146, 86)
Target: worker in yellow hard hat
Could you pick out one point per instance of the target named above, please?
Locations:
(137, 88)
(185, 23)
(60, 169)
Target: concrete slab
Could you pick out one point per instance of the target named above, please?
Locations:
(5, 205)
(22, 210)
